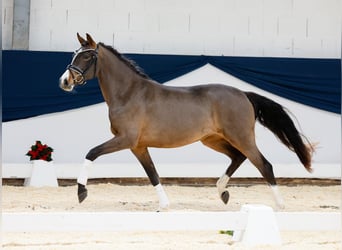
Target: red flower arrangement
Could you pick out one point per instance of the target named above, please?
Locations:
(40, 152)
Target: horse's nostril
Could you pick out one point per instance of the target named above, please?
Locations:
(63, 83)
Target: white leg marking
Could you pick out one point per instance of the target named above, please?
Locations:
(221, 184)
(65, 75)
(83, 176)
(163, 200)
(277, 197)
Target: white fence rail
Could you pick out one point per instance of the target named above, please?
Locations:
(164, 221)
(71, 171)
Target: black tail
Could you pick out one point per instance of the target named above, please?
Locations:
(273, 116)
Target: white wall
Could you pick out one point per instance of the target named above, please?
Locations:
(286, 28)
(74, 132)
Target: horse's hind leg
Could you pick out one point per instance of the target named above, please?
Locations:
(222, 182)
(144, 158)
(266, 170)
(222, 146)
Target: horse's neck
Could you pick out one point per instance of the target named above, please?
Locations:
(117, 81)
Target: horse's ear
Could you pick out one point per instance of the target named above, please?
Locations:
(91, 41)
(82, 41)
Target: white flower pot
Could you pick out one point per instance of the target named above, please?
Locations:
(43, 174)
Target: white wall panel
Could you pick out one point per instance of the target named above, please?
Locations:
(235, 25)
(128, 5)
(249, 46)
(95, 6)
(324, 26)
(223, 41)
(204, 22)
(304, 46)
(278, 47)
(292, 26)
(173, 21)
(249, 7)
(66, 4)
(41, 40)
(110, 21)
(48, 17)
(330, 47)
(80, 18)
(270, 26)
(58, 39)
(129, 41)
(177, 44)
(317, 7)
(146, 21)
(157, 44)
(254, 27)
(277, 7)
(44, 4)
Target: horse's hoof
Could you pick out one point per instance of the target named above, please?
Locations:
(280, 207)
(225, 197)
(82, 193)
(163, 209)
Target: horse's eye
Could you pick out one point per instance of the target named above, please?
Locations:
(87, 57)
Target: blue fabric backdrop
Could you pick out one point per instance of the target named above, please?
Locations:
(30, 79)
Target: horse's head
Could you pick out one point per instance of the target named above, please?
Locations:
(82, 66)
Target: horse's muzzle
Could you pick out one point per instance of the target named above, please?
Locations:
(64, 83)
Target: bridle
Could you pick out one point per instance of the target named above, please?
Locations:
(74, 70)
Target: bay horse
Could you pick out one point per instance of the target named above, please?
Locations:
(144, 113)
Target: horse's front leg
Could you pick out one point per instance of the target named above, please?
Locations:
(144, 158)
(113, 145)
(82, 179)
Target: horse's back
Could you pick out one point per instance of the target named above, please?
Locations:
(187, 114)
(206, 92)
(225, 99)
(231, 105)
(220, 100)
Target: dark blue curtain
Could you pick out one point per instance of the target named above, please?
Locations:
(30, 79)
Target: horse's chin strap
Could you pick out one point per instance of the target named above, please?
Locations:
(80, 79)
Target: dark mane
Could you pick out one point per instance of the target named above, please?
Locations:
(131, 64)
